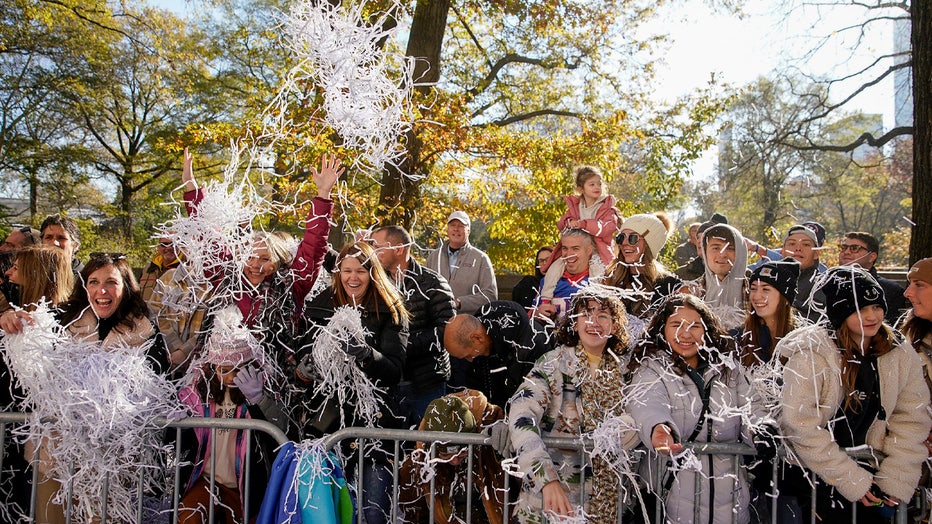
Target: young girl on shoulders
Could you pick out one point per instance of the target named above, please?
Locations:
(592, 210)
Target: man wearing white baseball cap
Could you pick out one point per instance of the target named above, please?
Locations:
(468, 269)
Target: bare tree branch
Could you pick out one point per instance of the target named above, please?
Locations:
(863, 87)
(865, 138)
(527, 116)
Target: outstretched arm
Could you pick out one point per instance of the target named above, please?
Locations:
(313, 246)
(326, 178)
(187, 171)
(192, 194)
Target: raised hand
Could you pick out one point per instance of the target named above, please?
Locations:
(187, 171)
(326, 178)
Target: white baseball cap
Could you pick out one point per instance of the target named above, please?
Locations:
(459, 215)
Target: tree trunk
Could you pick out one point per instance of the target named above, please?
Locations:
(126, 209)
(920, 245)
(398, 195)
(33, 197)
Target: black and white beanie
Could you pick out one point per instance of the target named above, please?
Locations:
(781, 274)
(849, 289)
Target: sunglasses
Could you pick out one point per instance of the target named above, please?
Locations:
(631, 238)
(853, 248)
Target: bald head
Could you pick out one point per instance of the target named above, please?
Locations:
(465, 337)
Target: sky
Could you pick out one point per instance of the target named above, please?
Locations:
(737, 50)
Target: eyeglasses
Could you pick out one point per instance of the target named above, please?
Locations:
(25, 230)
(105, 255)
(853, 248)
(631, 238)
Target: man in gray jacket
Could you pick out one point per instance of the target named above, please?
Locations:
(468, 269)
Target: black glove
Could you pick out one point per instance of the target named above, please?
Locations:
(306, 371)
(765, 442)
(358, 350)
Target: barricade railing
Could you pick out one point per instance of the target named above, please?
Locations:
(470, 440)
(213, 424)
(581, 445)
(740, 449)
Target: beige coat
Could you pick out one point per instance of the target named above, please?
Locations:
(472, 280)
(85, 328)
(812, 394)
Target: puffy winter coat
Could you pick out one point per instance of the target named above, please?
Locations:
(473, 280)
(552, 401)
(429, 299)
(660, 396)
(812, 394)
(383, 366)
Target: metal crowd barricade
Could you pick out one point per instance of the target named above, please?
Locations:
(249, 425)
(470, 440)
(739, 449)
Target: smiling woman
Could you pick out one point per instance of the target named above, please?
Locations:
(854, 382)
(687, 388)
(108, 307)
(572, 390)
(362, 285)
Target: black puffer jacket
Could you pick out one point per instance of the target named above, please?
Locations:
(429, 299)
(517, 342)
(383, 366)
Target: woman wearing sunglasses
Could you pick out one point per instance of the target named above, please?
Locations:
(636, 270)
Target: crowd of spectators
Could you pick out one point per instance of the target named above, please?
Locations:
(737, 344)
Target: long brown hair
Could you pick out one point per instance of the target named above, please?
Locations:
(621, 275)
(380, 287)
(850, 347)
(654, 341)
(45, 271)
(750, 338)
(916, 328)
(132, 305)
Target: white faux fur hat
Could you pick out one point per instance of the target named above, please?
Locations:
(651, 228)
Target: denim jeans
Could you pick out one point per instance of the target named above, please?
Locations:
(414, 403)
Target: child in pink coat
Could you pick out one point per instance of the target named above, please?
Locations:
(592, 210)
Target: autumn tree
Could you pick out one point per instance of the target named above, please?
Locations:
(755, 164)
(133, 96)
(39, 157)
(510, 97)
(861, 191)
(917, 59)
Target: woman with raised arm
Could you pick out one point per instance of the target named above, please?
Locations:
(272, 285)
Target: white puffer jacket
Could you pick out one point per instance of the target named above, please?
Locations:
(660, 396)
